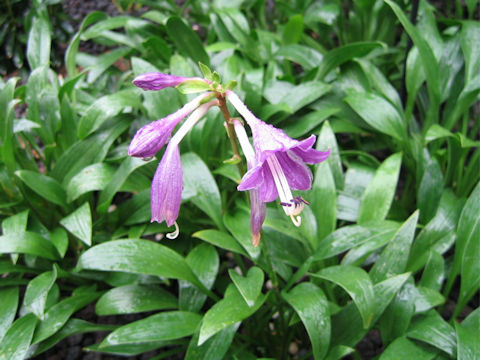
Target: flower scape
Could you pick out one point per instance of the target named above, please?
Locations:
(276, 163)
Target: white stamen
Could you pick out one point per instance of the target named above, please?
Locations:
(291, 207)
(174, 234)
(297, 221)
(191, 121)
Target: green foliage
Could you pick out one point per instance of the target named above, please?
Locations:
(392, 233)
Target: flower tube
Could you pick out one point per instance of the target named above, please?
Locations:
(150, 138)
(258, 208)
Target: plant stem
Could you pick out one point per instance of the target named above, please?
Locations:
(230, 132)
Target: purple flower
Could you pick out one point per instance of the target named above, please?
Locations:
(258, 208)
(166, 191)
(150, 138)
(280, 163)
(159, 81)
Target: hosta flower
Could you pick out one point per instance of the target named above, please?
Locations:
(258, 208)
(280, 163)
(166, 191)
(159, 81)
(152, 137)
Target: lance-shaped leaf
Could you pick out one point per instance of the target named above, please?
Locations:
(378, 195)
(249, 286)
(159, 327)
(228, 311)
(356, 282)
(79, 223)
(393, 259)
(139, 257)
(311, 305)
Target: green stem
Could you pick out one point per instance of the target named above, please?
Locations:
(230, 132)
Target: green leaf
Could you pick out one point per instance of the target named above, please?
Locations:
(193, 86)
(327, 140)
(72, 49)
(303, 55)
(433, 330)
(340, 55)
(323, 200)
(396, 318)
(128, 166)
(138, 257)
(468, 248)
(378, 195)
(79, 223)
(250, 286)
(204, 262)
(186, 40)
(434, 272)
(357, 177)
(9, 296)
(159, 327)
(305, 124)
(58, 314)
(214, 348)
(89, 151)
(198, 180)
(128, 349)
(356, 282)
(430, 64)
(14, 345)
(305, 93)
(293, 30)
(39, 41)
(379, 82)
(43, 185)
(15, 223)
(350, 236)
(91, 178)
(226, 312)
(28, 243)
(37, 291)
(378, 113)
(134, 298)
(402, 348)
(430, 188)
(311, 305)
(59, 239)
(468, 333)
(393, 259)
(104, 108)
(438, 235)
(72, 327)
(220, 239)
(104, 61)
(347, 325)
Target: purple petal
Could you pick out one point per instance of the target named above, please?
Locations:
(269, 140)
(299, 176)
(166, 192)
(267, 191)
(157, 81)
(252, 179)
(150, 138)
(307, 143)
(257, 216)
(311, 156)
